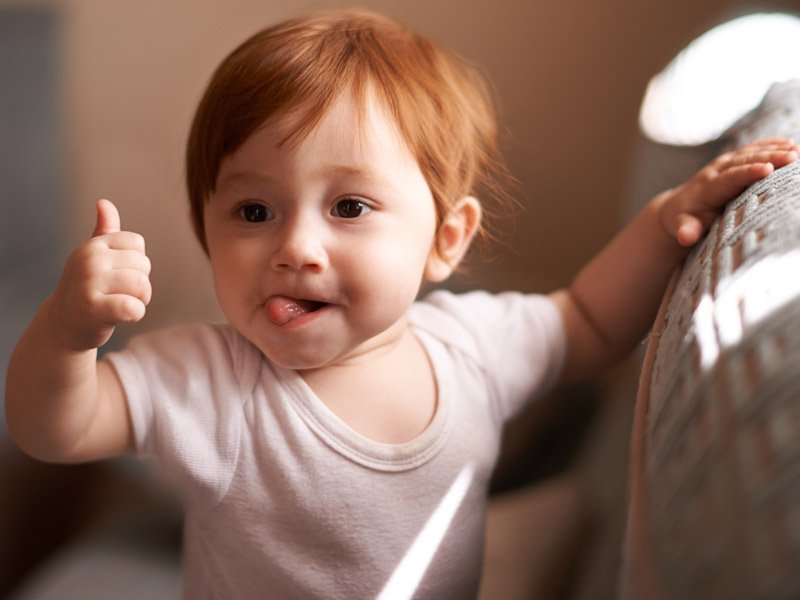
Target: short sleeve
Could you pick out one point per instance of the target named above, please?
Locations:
(185, 397)
(518, 340)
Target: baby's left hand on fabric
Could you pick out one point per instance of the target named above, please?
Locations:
(687, 211)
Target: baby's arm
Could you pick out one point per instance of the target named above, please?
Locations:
(61, 404)
(612, 301)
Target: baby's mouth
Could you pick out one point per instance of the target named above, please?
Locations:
(282, 309)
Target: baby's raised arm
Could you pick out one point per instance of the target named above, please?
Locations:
(62, 405)
(612, 301)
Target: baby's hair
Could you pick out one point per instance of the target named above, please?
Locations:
(441, 104)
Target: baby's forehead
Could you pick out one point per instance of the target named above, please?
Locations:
(362, 118)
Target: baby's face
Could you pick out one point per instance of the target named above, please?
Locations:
(319, 248)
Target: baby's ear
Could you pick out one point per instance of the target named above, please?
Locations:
(453, 238)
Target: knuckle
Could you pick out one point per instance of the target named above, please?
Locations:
(723, 158)
(90, 260)
(88, 297)
(94, 264)
(81, 256)
(705, 175)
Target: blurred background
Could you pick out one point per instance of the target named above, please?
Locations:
(96, 98)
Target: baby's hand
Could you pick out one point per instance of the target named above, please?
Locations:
(105, 282)
(688, 210)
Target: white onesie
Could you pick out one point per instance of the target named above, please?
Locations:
(283, 500)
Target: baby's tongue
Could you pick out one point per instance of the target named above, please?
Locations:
(281, 310)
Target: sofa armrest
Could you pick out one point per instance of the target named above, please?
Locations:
(715, 453)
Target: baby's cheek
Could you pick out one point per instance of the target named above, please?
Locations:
(393, 275)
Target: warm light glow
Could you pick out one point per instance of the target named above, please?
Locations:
(407, 576)
(720, 77)
(704, 330)
(743, 301)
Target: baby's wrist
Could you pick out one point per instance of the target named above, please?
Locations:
(54, 320)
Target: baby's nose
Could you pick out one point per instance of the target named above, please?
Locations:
(301, 247)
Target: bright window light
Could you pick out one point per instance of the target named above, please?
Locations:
(744, 301)
(408, 575)
(720, 77)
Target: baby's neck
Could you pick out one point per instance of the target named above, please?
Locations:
(387, 395)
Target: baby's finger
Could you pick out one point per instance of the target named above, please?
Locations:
(125, 240)
(733, 181)
(689, 230)
(131, 259)
(107, 218)
(776, 143)
(771, 144)
(783, 158)
(131, 282)
(777, 158)
(120, 308)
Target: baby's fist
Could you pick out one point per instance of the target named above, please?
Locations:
(105, 282)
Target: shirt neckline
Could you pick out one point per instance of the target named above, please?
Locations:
(365, 451)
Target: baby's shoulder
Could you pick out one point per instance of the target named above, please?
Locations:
(191, 350)
(478, 321)
(478, 309)
(458, 319)
(188, 339)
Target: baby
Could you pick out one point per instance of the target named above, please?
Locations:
(336, 437)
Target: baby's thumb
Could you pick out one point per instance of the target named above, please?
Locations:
(689, 231)
(107, 218)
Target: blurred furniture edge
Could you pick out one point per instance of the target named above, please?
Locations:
(37, 516)
(47, 511)
(715, 449)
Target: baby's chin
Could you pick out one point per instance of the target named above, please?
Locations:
(294, 361)
(300, 359)
(298, 349)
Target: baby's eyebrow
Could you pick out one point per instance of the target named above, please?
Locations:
(362, 171)
(244, 177)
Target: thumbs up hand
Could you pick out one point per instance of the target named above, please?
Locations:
(105, 282)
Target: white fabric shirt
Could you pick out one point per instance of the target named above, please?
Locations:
(284, 500)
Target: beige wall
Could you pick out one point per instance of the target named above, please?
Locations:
(570, 75)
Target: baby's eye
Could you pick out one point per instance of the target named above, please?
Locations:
(350, 208)
(255, 213)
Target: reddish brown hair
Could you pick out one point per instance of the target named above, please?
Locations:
(441, 104)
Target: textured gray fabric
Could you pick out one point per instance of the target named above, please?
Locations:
(722, 434)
